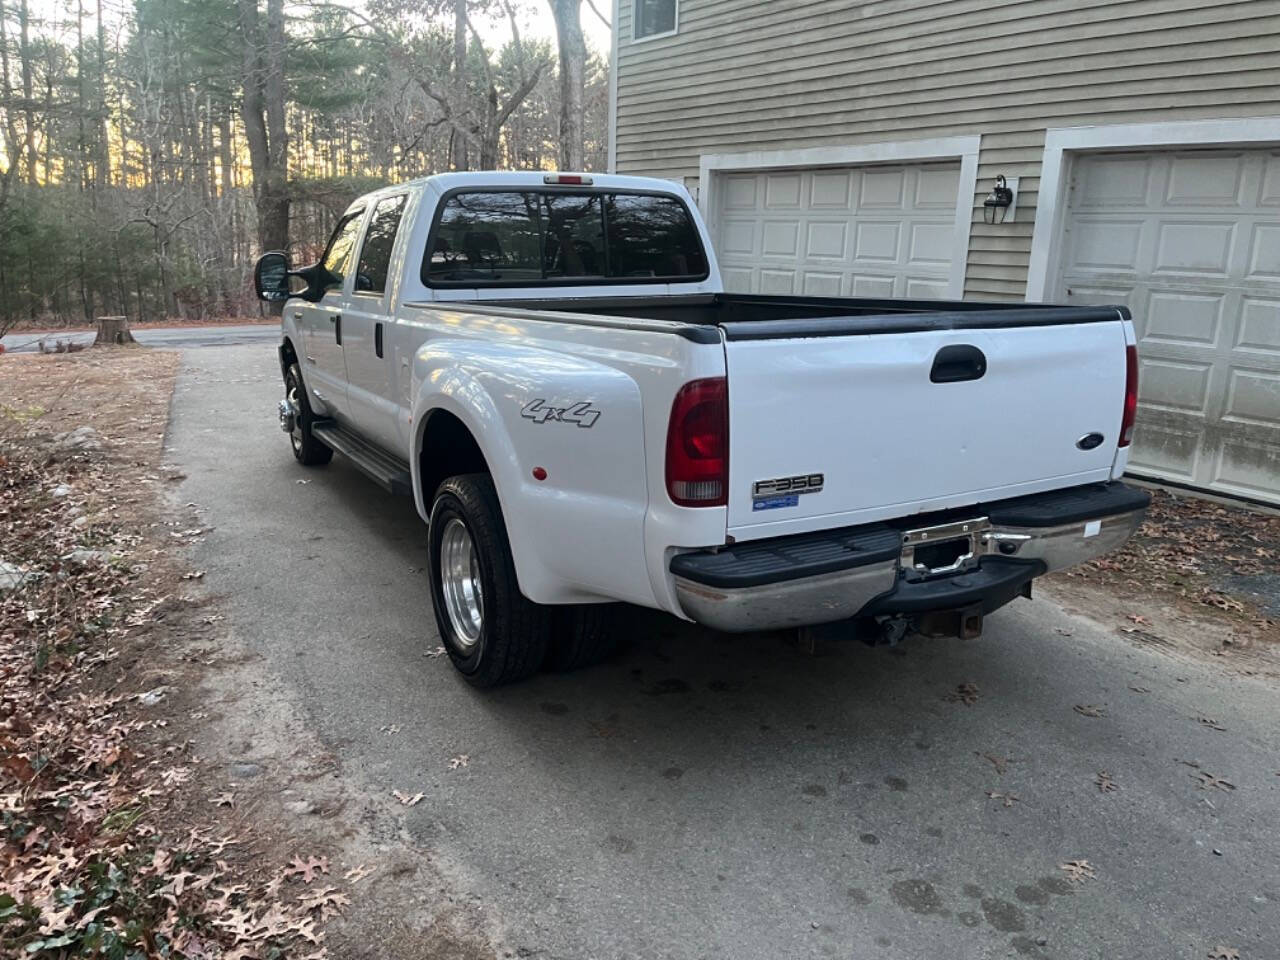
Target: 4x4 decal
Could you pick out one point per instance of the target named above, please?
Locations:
(580, 413)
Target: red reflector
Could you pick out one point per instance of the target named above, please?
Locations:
(698, 444)
(1130, 395)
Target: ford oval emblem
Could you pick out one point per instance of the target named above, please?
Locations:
(1090, 441)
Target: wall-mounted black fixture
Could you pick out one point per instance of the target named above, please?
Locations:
(999, 205)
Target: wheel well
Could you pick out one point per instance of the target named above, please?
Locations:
(448, 449)
(287, 355)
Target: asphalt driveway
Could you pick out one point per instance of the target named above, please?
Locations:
(737, 797)
(172, 338)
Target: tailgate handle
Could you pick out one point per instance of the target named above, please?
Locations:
(958, 362)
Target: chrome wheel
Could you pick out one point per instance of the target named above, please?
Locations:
(291, 397)
(460, 583)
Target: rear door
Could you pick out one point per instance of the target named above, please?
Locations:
(828, 431)
(365, 337)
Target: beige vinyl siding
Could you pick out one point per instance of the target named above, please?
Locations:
(786, 74)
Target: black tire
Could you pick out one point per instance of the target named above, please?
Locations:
(511, 641)
(582, 635)
(307, 449)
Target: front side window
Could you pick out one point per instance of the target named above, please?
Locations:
(379, 241)
(337, 256)
(654, 17)
(527, 238)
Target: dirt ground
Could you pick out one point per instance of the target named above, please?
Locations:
(185, 810)
(1200, 579)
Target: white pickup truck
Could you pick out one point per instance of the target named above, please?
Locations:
(549, 365)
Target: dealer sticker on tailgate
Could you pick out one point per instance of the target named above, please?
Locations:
(774, 503)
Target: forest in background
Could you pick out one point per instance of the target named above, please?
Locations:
(150, 149)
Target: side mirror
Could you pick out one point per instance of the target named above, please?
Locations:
(271, 277)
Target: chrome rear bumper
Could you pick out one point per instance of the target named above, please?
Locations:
(991, 561)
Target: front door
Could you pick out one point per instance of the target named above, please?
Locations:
(324, 368)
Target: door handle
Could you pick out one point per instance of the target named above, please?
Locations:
(958, 362)
(377, 339)
(336, 320)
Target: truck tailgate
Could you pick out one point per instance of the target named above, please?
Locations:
(835, 430)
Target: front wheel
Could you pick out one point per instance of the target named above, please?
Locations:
(492, 632)
(307, 449)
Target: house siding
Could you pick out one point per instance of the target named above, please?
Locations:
(787, 74)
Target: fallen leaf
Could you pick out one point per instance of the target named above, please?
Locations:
(1212, 724)
(966, 693)
(1140, 689)
(437, 652)
(461, 760)
(223, 800)
(193, 575)
(407, 800)
(1000, 763)
(301, 481)
(391, 728)
(1138, 618)
(328, 902)
(1224, 953)
(307, 869)
(1104, 782)
(1208, 781)
(1078, 871)
(1089, 710)
(358, 873)
(1007, 799)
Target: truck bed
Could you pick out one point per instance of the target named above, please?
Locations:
(760, 317)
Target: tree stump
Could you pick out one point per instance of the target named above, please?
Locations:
(113, 331)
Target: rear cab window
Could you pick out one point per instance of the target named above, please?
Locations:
(493, 238)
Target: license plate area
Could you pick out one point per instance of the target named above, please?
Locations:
(942, 550)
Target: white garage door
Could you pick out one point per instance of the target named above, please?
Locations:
(874, 231)
(1191, 242)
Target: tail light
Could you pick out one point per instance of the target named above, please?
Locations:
(698, 444)
(1130, 394)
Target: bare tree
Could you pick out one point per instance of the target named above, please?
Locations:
(263, 114)
(573, 64)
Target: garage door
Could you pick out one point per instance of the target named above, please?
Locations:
(1191, 242)
(875, 231)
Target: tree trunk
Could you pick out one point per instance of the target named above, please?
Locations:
(24, 54)
(113, 332)
(459, 142)
(263, 112)
(573, 65)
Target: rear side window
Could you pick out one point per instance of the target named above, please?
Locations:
(527, 238)
(379, 241)
(337, 256)
(653, 237)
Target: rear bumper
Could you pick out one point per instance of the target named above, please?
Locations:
(838, 574)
